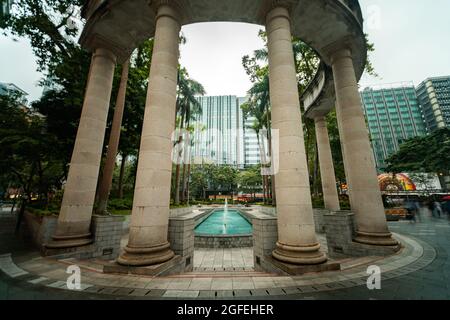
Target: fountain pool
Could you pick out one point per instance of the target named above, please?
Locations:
(224, 228)
(224, 222)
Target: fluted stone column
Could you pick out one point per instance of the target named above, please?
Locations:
(364, 191)
(297, 242)
(330, 195)
(148, 243)
(73, 228)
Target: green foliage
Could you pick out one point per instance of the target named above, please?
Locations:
(317, 202)
(423, 154)
(135, 99)
(369, 66)
(125, 212)
(120, 204)
(29, 158)
(258, 105)
(344, 202)
(212, 178)
(250, 180)
(335, 145)
(44, 22)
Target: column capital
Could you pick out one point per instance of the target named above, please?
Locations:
(96, 42)
(340, 54)
(169, 8)
(319, 119)
(278, 8)
(338, 50)
(105, 53)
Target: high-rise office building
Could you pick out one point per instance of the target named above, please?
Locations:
(223, 135)
(434, 97)
(394, 115)
(219, 133)
(10, 89)
(251, 147)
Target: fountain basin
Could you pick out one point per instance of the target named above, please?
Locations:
(224, 229)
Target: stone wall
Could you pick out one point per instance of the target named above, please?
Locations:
(181, 238)
(40, 229)
(270, 211)
(318, 216)
(180, 211)
(265, 236)
(107, 233)
(223, 241)
(319, 219)
(340, 229)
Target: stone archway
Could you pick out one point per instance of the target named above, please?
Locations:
(115, 28)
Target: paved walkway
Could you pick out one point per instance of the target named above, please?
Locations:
(421, 271)
(216, 259)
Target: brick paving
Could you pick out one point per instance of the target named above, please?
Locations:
(421, 271)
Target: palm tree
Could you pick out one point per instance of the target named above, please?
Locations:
(188, 107)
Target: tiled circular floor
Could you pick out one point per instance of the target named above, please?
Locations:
(215, 283)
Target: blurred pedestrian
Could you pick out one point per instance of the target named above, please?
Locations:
(446, 208)
(437, 209)
(417, 208)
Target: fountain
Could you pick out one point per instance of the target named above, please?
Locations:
(225, 213)
(224, 228)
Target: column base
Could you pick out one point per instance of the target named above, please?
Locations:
(304, 255)
(62, 242)
(375, 239)
(134, 256)
(172, 266)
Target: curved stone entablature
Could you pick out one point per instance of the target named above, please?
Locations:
(325, 25)
(319, 97)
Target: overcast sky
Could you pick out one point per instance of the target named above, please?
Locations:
(410, 36)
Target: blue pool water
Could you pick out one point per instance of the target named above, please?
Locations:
(224, 222)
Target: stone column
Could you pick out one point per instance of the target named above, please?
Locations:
(74, 220)
(148, 243)
(330, 195)
(364, 191)
(297, 242)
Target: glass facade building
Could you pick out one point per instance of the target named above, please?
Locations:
(222, 135)
(434, 97)
(10, 89)
(394, 115)
(218, 136)
(251, 147)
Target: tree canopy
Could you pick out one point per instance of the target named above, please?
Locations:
(423, 154)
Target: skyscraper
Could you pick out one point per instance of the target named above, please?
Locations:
(10, 89)
(218, 134)
(223, 135)
(251, 147)
(394, 115)
(434, 97)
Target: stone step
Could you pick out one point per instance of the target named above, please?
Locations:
(220, 274)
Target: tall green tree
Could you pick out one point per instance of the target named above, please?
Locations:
(187, 109)
(423, 154)
(306, 63)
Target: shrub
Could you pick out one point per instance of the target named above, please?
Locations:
(120, 204)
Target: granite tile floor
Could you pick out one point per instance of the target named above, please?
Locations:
(420, 273)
